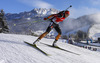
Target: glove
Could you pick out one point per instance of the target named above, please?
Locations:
(45, 18)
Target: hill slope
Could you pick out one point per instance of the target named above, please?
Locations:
(14, 50)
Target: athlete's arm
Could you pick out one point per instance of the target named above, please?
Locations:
(50, 16)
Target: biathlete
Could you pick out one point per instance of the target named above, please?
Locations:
(55, 19)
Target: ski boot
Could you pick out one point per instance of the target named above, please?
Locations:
(54, 44)
(34, 43)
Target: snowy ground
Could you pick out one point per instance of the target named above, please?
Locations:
(14, 50)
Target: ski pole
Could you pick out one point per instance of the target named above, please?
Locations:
(69, 7)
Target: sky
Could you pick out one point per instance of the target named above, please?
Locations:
(79, 7)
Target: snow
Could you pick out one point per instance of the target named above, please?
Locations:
(94, 31)
(28, 18)
(38, 32)
(14, 50)
(2, 61)
(44, 11)
(84, 29)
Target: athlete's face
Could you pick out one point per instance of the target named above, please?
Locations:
(66, 15)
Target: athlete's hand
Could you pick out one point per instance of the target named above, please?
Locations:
(45, 18)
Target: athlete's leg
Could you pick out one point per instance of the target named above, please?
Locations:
(45, 33)
(57, 28)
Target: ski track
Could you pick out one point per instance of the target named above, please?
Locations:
(14, 50)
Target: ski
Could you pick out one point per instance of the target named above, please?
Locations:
(60, 48)
(34, 46)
